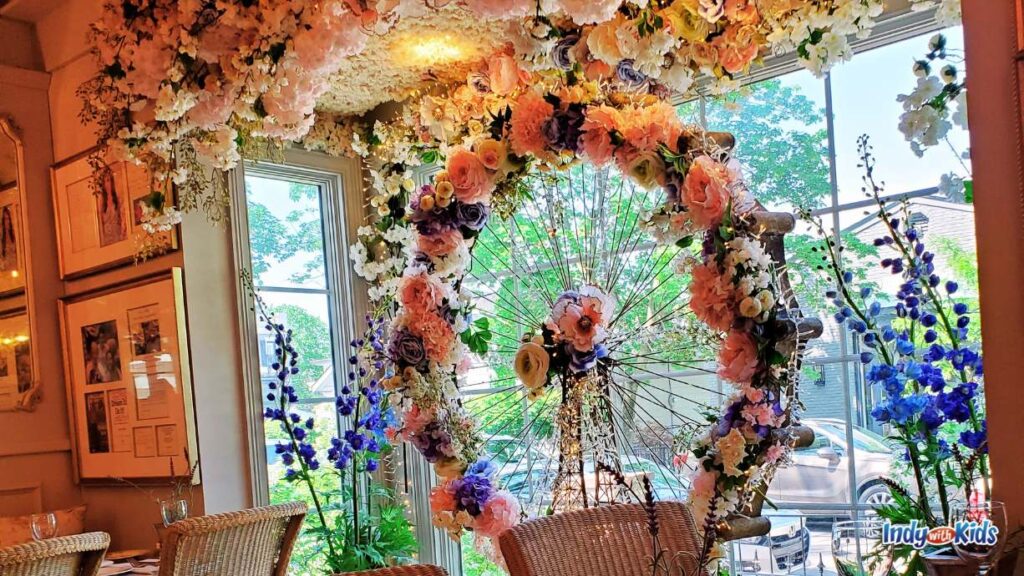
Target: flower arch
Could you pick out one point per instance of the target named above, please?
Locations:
(186, 85)
(735, 287)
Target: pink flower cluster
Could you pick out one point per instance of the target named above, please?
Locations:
(581, 319)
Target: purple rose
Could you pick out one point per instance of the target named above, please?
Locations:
(560, 52)
(563, 130)
(407, 349)
(629, 75)
(471, 216)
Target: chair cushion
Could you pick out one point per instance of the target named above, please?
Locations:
(18, 529)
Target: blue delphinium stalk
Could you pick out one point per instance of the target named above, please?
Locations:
(922, 361)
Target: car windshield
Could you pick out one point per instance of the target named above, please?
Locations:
(863, 439)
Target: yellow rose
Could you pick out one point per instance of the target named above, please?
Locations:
(531, 365)
(449, 468)
(491, 153)
(750, 307)
(647, 169)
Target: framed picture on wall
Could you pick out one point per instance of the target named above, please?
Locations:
(128, 381)
(12, 253)
(100, 206)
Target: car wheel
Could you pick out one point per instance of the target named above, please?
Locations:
(875, 495)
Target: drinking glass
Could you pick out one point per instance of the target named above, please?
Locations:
(986, 516)
(858, 550)
(44, 526)
(173, 510)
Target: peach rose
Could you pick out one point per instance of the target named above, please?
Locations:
(737, 48)
(531, 365)
(706, 191)
(503, 73)
(596, 141)
(420, 293)
(526, 133)
(492, 153)
(742, 11)
(439, 244)
(469, 176)
(603, 42)
(737, 358)
(437, 334)
(442, 498)
(711, 297)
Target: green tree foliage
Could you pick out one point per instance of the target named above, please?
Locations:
(313, 337)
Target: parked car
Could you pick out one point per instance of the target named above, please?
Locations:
(820, 473)
(782, 550)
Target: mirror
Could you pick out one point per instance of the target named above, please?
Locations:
(19, 389)
(829, 453)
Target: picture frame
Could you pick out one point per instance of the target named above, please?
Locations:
(97, 231)
(12, 243)
(129, 383)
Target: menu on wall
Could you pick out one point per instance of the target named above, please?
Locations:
(129, 382)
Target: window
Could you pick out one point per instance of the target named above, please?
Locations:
(797, 138)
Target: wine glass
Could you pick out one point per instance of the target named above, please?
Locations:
(44, 526)
(173, 510)
(858, 550)
(987, 525)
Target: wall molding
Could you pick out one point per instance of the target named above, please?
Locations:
(32, 79)
(52, 446)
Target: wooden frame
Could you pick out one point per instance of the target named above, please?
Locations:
(129, 384)
(17, 295)
(96, 233)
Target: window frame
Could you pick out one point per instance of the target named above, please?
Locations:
(342, 212)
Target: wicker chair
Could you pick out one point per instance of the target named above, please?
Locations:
(256, 542)
(415, 570)
(602, 541)
(78, 555)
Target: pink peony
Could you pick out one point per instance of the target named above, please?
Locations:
(587, 11)
(437, 334)
(501, 9)
(414, 420)
(500, 513)
(737, 358)
(596, 141)
(470, 177)
(529, 113)
(581, 323)
(439, 244)
(706, 191)
(420, 293)
(711, 297)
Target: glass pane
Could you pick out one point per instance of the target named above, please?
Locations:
(781, 139)
(285, 233)
(860, 107)
(308, 316)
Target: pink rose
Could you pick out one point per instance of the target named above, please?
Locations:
(414, 420)
(469, 176)
(706, 191)
(439, 244)
(500, 513)
(526, 134)
(737, 358)
(711, 297)
(503, 73)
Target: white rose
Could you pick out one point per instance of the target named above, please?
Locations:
(531, 365)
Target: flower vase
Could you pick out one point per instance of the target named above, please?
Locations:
(947, 563)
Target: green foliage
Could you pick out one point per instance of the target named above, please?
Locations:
(311, 335)
(478, 335)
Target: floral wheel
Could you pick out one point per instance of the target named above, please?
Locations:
(596, 365)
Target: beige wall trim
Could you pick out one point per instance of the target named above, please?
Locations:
(48, 446)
